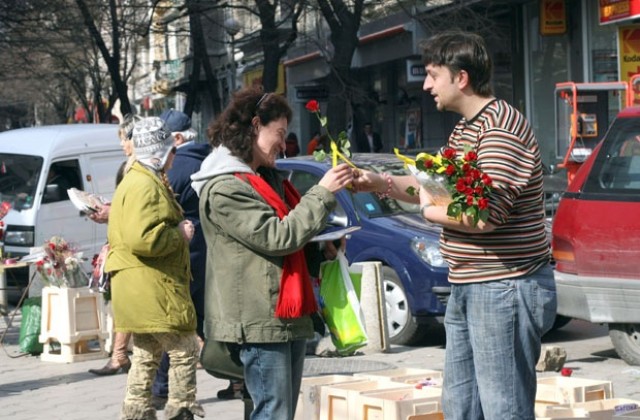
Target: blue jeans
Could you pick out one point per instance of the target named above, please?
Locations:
(272, 375)
(493, 344)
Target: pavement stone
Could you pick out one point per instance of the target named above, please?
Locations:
(31, 389)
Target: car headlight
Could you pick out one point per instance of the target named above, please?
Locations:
(429, 251)
(19, 236)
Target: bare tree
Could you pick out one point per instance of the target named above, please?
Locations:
(344, 23)
(124, 23)
(201, 60)
(270, 36)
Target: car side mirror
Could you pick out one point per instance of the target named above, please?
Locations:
(52, 193)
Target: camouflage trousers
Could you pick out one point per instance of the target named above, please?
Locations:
(183, 350)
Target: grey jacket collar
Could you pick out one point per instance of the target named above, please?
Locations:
(220, 161)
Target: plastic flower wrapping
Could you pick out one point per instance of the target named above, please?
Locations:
(60, 265)
(454, 181)
(340, 147)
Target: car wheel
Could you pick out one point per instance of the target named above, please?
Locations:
(626, 340)
(403, 329)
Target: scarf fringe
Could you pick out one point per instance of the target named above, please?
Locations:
(289, 309)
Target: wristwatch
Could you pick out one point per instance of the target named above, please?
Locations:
(423, 208)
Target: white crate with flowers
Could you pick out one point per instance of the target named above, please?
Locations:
(71, 312)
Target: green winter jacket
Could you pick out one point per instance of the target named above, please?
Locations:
(149, 259)
(246, 245)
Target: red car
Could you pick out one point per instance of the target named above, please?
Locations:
(596, 238)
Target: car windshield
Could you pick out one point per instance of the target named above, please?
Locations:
(374, 206)
(19, 179)
(617, 166)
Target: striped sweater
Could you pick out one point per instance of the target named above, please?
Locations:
(508, 152)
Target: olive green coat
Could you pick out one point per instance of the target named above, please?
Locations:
(149, 259)
(246, 245)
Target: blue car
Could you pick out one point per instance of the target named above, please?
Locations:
(393, 232)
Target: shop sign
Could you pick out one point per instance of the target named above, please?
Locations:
(617, 11)
(553, 17)
(254, 78)
(629, 54)
(415, 71)
(318, 92)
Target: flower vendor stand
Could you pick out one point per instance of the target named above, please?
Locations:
(71, 319)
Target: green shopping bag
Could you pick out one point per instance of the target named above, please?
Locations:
(30, 326)
(340, 304)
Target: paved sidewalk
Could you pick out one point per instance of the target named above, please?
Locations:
(31, 389)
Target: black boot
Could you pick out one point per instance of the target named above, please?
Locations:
(183, 414)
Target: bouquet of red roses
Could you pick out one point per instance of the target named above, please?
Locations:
(453, 181)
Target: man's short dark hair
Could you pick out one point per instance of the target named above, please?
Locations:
(458, 51)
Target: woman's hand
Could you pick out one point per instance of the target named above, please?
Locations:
(187, 229)
(330, 250)
(337, 178)
(101, 215)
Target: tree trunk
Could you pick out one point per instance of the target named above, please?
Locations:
(200, 58)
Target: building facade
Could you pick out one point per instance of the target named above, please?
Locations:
(535, 44)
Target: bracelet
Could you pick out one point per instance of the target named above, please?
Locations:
(385, 194)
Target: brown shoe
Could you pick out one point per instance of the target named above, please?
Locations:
(112, 368)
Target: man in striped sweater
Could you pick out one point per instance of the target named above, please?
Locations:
(502, 289)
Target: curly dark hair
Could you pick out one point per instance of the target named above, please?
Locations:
(234, 128)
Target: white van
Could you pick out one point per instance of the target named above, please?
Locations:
(37, 166)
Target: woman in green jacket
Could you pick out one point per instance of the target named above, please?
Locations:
(149, 264)
(258, 292)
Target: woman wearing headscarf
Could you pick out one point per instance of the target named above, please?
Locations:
(149, 265)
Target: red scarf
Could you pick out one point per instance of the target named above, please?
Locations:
(296, 296)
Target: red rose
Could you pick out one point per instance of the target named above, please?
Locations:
(470, 156)
(449, 153)
(466, 168)
(483, 203)
(428, 163)
(469, 200)
(313, 106)
(478, 191)
(486, 179)
(450, 170)
(566, 371)
(461, 185)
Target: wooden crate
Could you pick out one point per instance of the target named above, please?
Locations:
(563, 413)
(398, 404)
(605, 409)
(340, 401)
(403, 375)
(555, 390)
(308, 407)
